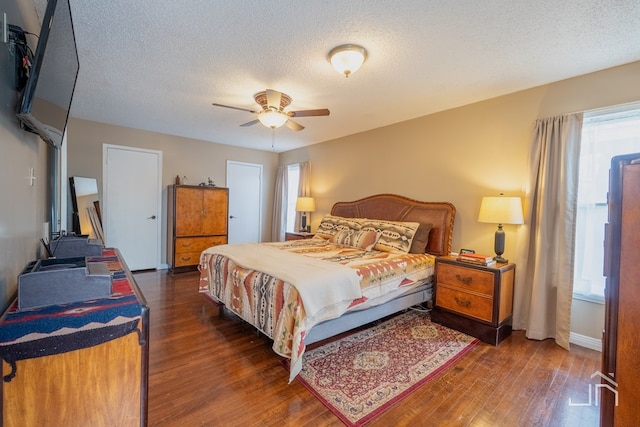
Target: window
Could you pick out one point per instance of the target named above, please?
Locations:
(293, 180)
(604, 135)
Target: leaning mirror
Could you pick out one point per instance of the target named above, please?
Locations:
(86, 206)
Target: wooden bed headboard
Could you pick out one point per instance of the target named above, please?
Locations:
(392, 207)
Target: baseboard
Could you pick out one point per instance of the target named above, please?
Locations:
(585, 341)
(163, 267)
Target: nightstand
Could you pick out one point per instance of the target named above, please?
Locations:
(297, 235)
(474, 299)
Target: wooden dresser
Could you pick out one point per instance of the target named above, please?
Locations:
(620, 339)
(197, 219)
(78, 364)
(474, 299)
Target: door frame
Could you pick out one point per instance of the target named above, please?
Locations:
(104, 207)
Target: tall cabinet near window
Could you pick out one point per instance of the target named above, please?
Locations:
(621, 341)
(197, 219)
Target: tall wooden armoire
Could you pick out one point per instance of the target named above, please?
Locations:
(197, 219)
(621, 339)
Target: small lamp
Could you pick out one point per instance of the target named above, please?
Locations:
(347, 58)
(500, 210)
(304, 205)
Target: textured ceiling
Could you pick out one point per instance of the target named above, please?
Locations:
(158, 65)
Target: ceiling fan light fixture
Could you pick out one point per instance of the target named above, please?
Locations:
(347, 58)
(272, 118)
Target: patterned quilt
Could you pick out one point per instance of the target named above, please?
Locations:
(275, 307)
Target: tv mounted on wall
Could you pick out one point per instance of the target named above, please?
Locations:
(44, 104)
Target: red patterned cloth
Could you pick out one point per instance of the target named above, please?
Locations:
(56, 329)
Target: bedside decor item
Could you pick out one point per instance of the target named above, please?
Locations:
(304, 205)
(500, 210)
(361, 376)
(347, 58)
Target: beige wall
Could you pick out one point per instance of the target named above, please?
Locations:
(23, 208)
(198, 160)
(461, 155)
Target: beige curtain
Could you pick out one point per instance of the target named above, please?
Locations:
(544, 273)
(279, 221)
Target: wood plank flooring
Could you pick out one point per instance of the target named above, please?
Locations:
(207, 369)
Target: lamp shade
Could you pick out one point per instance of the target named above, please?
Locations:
(501, 210)
(272, 119)
(305, 204)
(348, 58)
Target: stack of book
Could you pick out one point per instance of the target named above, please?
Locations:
(477, 259)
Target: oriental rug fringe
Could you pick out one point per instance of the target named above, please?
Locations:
(360, 376)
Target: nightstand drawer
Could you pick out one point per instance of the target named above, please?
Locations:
(478, 306)
(466, 278)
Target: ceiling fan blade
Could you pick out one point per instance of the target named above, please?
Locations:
(308, 113)
(233, 108)
(293, 125)
(251, 123)
(273, 98)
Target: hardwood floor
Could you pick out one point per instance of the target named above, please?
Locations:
(212, 370)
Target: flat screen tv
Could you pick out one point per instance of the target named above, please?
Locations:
(44, 104)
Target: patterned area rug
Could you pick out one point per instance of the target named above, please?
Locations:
(362, 375)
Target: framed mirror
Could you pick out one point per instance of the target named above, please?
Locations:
(86, 206)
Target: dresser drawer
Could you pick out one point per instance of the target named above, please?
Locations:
(478, 306)
(197, 244)
(187, 258)
(466, 278)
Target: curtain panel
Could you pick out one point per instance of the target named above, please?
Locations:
(544, 273)
(279, 218)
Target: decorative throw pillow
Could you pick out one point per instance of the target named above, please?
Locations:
(330, 225)
(395, 236)
(421, 239)
(365, 240)
(342, 237)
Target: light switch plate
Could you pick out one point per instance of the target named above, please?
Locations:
(3, 28)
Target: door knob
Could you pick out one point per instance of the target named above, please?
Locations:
(231, 216)
(152, 217)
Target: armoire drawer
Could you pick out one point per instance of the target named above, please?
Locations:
(197, 244)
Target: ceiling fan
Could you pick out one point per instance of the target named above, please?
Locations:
(272, 114)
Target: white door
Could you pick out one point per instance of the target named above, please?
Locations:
(244, 181)
(132, 195)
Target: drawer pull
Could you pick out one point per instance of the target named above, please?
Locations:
(462, 303)
(464, 280)
(185, 245)
(185, 258)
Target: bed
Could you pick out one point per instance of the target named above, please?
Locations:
(369, 258)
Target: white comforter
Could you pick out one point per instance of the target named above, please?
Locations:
(308, 275)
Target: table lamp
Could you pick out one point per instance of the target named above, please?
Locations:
(500, 210)
(304, 205)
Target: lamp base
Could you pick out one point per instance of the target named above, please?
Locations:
(500, 259)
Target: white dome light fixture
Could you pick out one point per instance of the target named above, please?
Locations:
(272, 118)
(347, 58)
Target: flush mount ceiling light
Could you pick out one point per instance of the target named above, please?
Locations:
(347, 58)
(272, 118)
